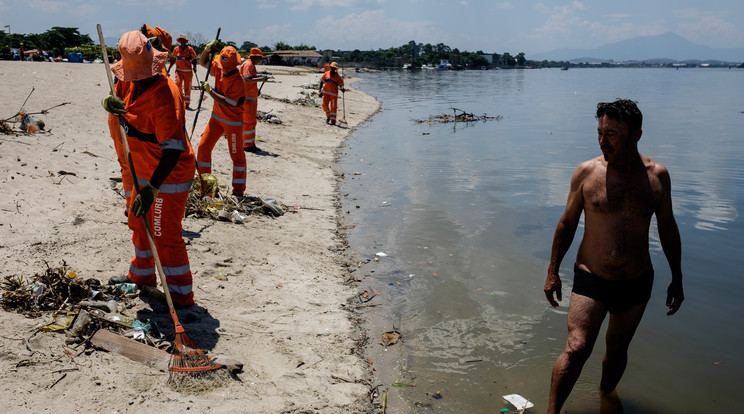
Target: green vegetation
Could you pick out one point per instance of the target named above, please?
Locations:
(54, 41)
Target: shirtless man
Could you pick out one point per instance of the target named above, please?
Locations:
(618, 193)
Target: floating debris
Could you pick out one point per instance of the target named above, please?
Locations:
(457, 117)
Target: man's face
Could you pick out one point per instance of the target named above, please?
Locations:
(182, 42)
(615, 138)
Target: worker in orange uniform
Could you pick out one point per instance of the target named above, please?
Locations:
(330, 83)
(151, 109)
(161, 40)
(185, 60)
(227, 113)
(251, 79)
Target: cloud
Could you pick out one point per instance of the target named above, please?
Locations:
(504, 5)
(373, 29)
(307, 4)
(708, 28)
(267, 4)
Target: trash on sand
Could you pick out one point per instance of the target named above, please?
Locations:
(518, 401)
(437, 395)
(380, 254)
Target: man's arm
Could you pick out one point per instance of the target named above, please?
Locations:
(670, 242)
(564, 234)
(204, 58)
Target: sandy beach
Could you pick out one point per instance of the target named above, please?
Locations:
(271, 292)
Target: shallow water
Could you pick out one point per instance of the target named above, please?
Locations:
(466, 214)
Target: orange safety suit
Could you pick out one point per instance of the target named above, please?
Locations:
(184, 74)
(155, 121)
(248, 70)
(228, 121)
(331, 83)
(121, 155)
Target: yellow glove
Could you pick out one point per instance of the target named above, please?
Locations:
(113, 105)
(214, 46)
(144, 199)
(205, 87)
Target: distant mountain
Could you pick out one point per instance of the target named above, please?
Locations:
(667, 46)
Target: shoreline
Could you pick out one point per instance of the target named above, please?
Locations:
(273, 291)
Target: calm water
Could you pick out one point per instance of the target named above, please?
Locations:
(466, 215)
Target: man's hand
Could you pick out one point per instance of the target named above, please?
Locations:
(205, 87)
(144, 200)
(214, 46)
(113, 105)
(675, 297)
(553, 285)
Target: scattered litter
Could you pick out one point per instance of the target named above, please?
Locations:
(437, 395)
(518, 401)
(391, 337)
(233, 208)
(380, 254)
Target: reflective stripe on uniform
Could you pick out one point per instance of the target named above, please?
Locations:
(236, 168)
(141, 272)
(183, 70)
(226, 122)
(168, 188)
(202, 164)
(329, 93)
(142, 253)
(181, 290)
(176, 271)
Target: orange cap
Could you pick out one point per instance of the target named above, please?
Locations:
(164, 36)
(256, 52)
(334, 65)
(182, 36)
(229, 58)
(139, 60)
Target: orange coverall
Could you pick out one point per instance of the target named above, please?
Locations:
(184, 74)
(248, 69)
(228, 121)
(155, 121)
(331, 83)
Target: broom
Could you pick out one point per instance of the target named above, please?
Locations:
(186, 358)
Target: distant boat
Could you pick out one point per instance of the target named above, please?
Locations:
(407, 66)
(564, 68)
(427, 67)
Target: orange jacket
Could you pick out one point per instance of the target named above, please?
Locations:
(331, 83)
(184, 57)
(233, 89)
(248, 69)
(153, 122)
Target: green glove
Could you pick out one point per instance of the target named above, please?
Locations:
(205, 87)
(157, 43)
(113, 105)
(214, 46)
(144, 199)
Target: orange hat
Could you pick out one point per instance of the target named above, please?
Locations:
(164, 36)
(334, 65)
(139, 60)
(256, 52)
(229, 58)
(182, 36)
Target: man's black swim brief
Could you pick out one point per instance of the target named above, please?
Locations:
(616, 295)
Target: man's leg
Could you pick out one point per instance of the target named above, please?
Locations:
(620, 332)
(585, 316)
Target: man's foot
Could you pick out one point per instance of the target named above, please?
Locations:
(115, 280)
(333, 122)
(328, 121)
(254, 149)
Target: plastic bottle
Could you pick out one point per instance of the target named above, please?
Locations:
(28, 124)
(127, 288)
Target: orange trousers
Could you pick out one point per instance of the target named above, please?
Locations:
(209, 138)
(121, 156)
(183, 81)
(165, 217)
(249, 122)
(330, 103)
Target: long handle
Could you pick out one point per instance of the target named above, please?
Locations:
(124, 138)
(201, 95)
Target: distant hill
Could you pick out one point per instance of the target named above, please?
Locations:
(667, 46)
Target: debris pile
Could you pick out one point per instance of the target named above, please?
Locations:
(268, 117)
(78, 307)
(305, 100)
(231, 208)
(457, 117)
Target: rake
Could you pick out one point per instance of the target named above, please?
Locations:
(186, 357)
(201, 95)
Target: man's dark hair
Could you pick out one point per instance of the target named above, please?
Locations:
(623, 110)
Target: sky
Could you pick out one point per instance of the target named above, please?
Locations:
(469, 25)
